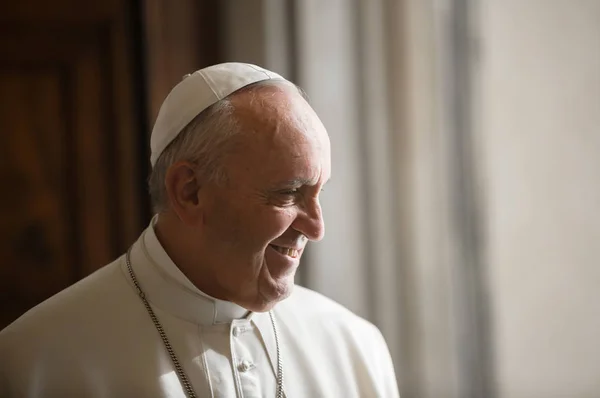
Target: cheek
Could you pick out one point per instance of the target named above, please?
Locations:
(273, 222)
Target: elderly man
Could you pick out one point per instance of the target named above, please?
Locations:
(204, 303)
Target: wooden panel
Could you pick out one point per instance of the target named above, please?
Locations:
(69, 147)
(182, 37)
(90, 161)
(34, 240)
(73, 130)
(61, 11)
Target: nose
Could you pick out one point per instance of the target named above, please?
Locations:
(309, 221)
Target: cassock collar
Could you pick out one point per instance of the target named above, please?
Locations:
(169, 289)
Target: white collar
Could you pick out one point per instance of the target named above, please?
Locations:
(168, 288)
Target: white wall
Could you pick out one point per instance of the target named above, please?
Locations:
(540, 119)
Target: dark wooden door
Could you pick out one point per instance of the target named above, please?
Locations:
(72, 153)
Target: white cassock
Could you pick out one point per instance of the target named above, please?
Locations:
(96, 339)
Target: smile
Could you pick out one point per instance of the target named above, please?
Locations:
(286, 251)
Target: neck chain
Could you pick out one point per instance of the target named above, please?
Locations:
(183, 379)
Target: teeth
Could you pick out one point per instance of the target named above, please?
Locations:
(287, 251)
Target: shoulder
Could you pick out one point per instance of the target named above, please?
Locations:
(75, 304)
(311, 303)
(337, 336)
(313, 308)
(73, 337)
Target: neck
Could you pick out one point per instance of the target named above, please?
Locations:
(176, 239)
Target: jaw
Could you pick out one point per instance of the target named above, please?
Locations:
(271, 281)
(272, 290)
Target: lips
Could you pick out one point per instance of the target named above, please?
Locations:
(287, 251)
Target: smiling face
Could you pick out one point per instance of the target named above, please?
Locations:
(256, 225)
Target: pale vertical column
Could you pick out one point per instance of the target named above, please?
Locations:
(462, 189)
(326, 65)
(381, 201)
(258, 32)
(428, 337)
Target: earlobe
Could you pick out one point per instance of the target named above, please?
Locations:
(182, 186)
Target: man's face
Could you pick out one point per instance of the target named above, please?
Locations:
(256, 225)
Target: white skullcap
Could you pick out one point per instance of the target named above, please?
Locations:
(195, 93)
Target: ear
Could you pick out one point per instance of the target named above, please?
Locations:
(183, 185)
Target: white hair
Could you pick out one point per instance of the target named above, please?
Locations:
(202, 142)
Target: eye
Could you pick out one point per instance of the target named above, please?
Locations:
(287, 197)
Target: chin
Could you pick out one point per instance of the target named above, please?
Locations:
(273, 294)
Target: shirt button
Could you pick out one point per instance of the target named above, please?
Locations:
(237, 331)
(245, 366)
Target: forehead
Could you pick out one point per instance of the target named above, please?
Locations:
(281, 136)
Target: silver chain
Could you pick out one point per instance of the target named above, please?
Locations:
(183, 379)
(279, 362)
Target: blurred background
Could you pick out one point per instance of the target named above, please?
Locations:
(463, 214)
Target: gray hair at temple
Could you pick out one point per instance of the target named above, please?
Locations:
(203, 142)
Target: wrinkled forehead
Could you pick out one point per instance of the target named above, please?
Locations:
(280, 133)
(276, 109)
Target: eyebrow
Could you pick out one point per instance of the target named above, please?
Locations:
(293, 182)
(296, 182)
